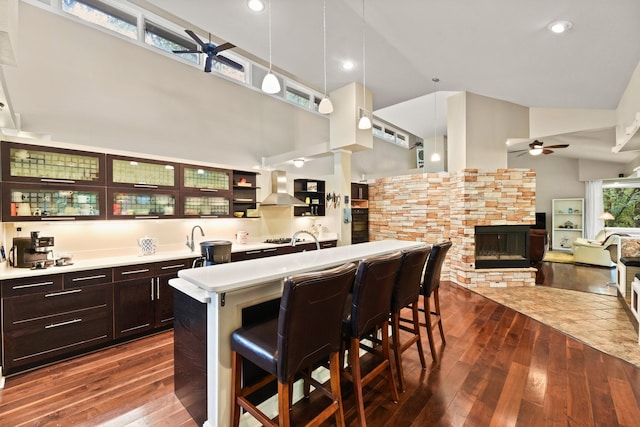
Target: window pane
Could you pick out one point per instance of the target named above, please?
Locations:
(168, 41)
(624, 205)
(228, 71)
(298, 97)
(103, 15)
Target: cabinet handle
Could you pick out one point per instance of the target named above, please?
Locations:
(212, 190)
(147, 217)
(68, 322)
(55, 294)
(145, 186)
(79, 279)
(252, 252)
(63, 181)
(32, 285)
(57, 218)
(167, 267)
(152, 289)
(208, 216)
(158, 288)
(270, 250)
(144, 270)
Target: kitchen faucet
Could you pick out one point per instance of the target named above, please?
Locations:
(293, 238)
(192, 244)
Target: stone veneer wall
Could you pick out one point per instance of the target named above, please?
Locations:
(447, 206)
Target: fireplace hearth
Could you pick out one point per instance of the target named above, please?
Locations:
(502, 246)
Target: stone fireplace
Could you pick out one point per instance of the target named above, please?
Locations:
(502, 246)
(434, 207)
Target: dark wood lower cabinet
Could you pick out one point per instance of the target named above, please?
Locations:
(48, 318)
(44, 327)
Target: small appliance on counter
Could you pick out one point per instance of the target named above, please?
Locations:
(31, 252)
(213, 252)
(147, 245)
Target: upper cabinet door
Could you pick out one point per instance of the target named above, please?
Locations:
(31, 163)
(141, 173)
(204, 180)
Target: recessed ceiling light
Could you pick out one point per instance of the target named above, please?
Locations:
(560, 27)
(347, 65)
(256, 5)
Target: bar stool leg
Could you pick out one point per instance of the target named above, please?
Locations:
(436, 299)
(385, 352)
(397, 348)
(416, 326)
(354, 361)
(427, 317)
(284, 399)
(334, 369)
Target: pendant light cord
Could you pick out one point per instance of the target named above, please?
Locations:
(324, 32)
(269, 35)
(364, 64)
(435, 80)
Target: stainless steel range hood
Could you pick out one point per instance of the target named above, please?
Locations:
(279, 195)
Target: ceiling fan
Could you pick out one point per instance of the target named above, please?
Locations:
(212, 51)
(537, 147)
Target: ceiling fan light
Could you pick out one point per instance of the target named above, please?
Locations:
(270, 83)
(256, 5)
(325, 106)
(535, 151)
(364, 122)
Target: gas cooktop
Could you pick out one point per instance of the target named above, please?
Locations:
(281, 241)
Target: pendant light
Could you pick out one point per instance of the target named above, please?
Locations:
(364, 122)
(435, 157)
(270, 83)
(325, 106)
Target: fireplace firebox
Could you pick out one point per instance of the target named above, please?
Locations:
(502, 246)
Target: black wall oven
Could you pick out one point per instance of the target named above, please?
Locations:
(359, 225)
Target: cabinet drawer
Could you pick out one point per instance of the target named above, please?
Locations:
(21, 312)
(133, 272)
(87, 278)
(31, 285)
(172, 267)
(48, 339)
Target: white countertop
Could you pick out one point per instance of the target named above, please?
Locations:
(7, 272)
(239, 275)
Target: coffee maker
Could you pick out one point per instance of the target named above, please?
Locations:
(31, 252)
(213, 252)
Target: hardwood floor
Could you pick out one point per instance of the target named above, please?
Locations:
(498, 368)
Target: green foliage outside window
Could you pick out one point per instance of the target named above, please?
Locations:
(624, 205)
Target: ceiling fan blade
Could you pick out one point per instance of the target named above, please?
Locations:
(186, 51)
(546, 151)
(207, 64)
(196, 38)
(558, 146)
(223, 46)
(519, 151)
(522, 154)
(229, 62)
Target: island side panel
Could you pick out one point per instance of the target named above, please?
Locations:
(190, 355)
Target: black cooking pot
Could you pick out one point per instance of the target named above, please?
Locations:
(213, 252)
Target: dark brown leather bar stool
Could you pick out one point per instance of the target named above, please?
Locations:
(306, 332)
(406, 293)
(368, 314)
(430, 286)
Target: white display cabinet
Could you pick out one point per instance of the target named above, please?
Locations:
(567, 222)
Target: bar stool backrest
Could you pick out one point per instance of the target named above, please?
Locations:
(372, 292)
(406, 289)
(310, 318)
(433, 268)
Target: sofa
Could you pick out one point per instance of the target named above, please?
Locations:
(601, 251)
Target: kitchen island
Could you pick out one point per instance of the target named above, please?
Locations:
(211, 302)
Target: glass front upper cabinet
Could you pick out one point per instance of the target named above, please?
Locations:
(202, 179)
(140, 204)
(34, 202)
(30, 163)
(141, 173)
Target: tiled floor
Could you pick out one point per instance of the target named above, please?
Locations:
(598, 320)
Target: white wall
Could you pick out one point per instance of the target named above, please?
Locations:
(556, 121)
